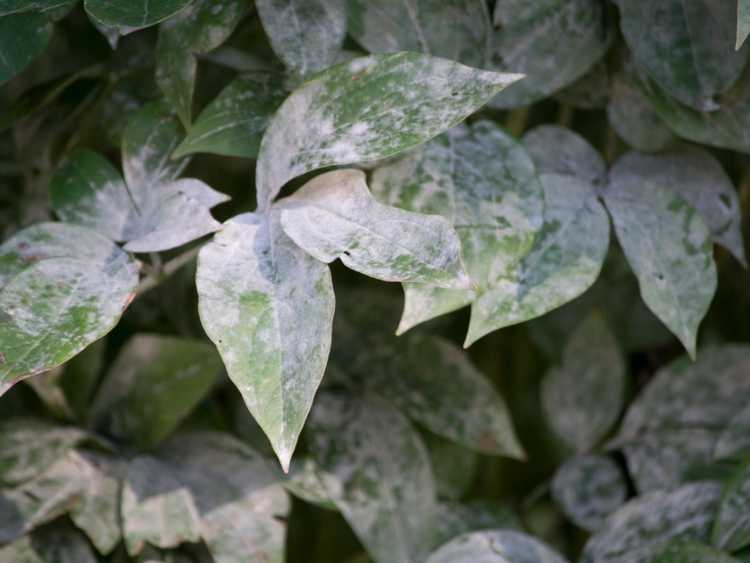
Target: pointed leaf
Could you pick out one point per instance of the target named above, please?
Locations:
(234, 122)
(335, 216)
(268, 307)
(731, 530)
(23, 37)
(582, 398)
(495, 546)
(668, 246)
(134, 14)
(61, 288)
(367, 109)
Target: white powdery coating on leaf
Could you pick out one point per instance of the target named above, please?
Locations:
(495, 546)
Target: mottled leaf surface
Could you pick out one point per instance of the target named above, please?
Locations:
(495, 546)
(61, 288)
(335, 216)
(676, 421)
(638, 530)
(366, 109)
(305, 34)
(377, 472)
(455, 519)
(553, 43)
(153, 384)
(731, 531)
(458, 30)
(254, 286)
(668, 245)
(583, 396)
(588, 489)
(735, 438)
(23, 37)
(687, 47)
(234, 122)
(691, 552)
(58, 545)
(743, 22)
(133, 14)
(304, 482)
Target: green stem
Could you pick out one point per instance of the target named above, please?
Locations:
(516, 122)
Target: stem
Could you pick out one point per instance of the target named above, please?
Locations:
(169, 268)
(516, 122)
(565, 115)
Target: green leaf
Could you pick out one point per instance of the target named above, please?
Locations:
(458, 30)
(668, 246)
(565, 260)
(199, 28)
(268, 307)
(634, 119)
(735, 438)
(234, 122)
(305, 34)
(642, 527)
(61, 288)
(133, 14)
(366, 109)
(23, 37)
(19, 6)
(589, 488)
(676, 422)
(81, 376)
(743, 22)
(553, 42)
(496, 205)
(495, 546)
(731, 531)
(697, 176)
(691, 552)
(58, 545)
(582, 398)
(686, 47)
(453, 466)
(456, 519)
(377, 472)
(152, 385)
(335, 216)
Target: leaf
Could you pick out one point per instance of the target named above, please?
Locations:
(589, 488)
(234, 122)
(305, 34)
(23, 37)
(201, 27)
(642, 527)
(456, 519)
(304, 483)
(366, 109)
(565, 260)
(686, 47)
(731, 531)
(591, 91)
(80, 377)
(152, 385)
(735, 438)
(635, 120)
(377, 472)
(453, 466)
(557, 150)
(255, 287)
(134, 14)
(743, 22)
(20, 6)
(61, 545)
(691, 552)
(495, 546)
(335, 216)
(668, 247)
(458, 30)
(676, 421)
(61, 288)
(496, 205)
(698, 177)
(554, 43)
(582, 398)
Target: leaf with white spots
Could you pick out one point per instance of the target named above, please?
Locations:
(305, 34)
(566, 259)
(367, 109)
(152, 385)
(583, 396)
(643, 526)
(553, 42)
(268, 307)
(304, 483)
(61, 288)
(58, 545)
(588, 489)
(698, 177)
(199, 28)
(735, 439)
(482, 180)
(676, 422)
(668, 246)
(335, 216)
(731, 530)
(133, 14)
(377, 472)
(23, 37)
(687, 47)
(234, 122)
(458, 30)
(495, 546)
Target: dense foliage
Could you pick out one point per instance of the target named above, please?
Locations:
(201, 202)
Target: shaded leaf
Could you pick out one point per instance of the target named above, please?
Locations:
(304, 482)
(254, 286)
(58, 545)
(495, 546)
(735, 438)
(731, 531)
(691, 552)
(453, 466)
(61, 288)
(23, 37)
(335, 216)
(134, 14)
(366, 109)
(743, 22)
(20, 6)
(455, 519)
(591, 91)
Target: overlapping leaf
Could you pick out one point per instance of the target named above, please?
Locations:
(731, 530)
(134, 14)
(61, 545)
(23, 37)
(495, 546)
